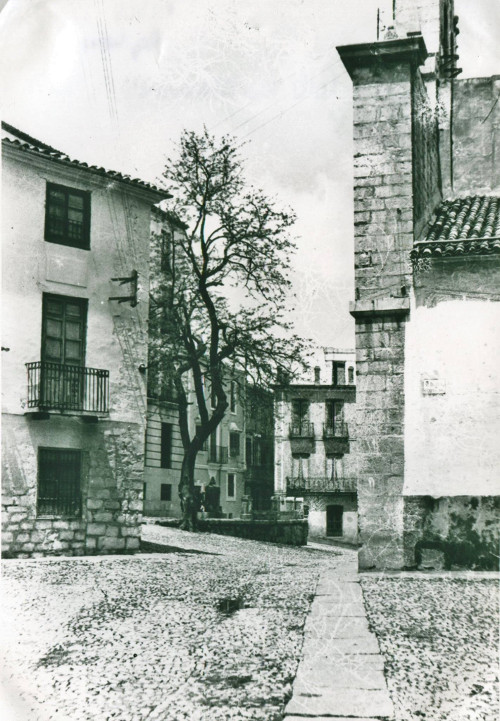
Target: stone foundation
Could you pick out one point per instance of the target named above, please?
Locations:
(111, 488)
(462, 531)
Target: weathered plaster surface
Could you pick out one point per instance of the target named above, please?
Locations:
(452, 383)
(113, 448)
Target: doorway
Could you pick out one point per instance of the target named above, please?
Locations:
(334, 517)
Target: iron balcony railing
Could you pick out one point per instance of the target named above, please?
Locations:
(217, 454)
(302, 429)
(336, 430)
(56, 386)
(321, 484)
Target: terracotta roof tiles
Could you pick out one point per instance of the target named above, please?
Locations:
(468, 225)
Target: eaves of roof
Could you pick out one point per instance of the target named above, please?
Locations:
(28, 144)
(462, 226)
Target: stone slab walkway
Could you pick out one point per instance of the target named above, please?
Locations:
(341, 674)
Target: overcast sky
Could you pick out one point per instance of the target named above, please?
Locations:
(113, 82)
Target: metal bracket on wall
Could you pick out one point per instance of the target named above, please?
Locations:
(132, 298)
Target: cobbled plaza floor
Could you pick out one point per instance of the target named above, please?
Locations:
(212, 631)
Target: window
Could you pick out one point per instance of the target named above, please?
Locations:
(166, 492)
(166, 445)
(59, 472)
(62, 380)
(233, 396)
(334, 411)
(234, 444)
(350, 375)
(64, 321)
(67, 216)
(338, 373)
(231, 486)
(300, 411)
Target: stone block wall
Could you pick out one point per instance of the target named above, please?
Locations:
(476, 122)
(111, 488)
(380, 440)
(426, 171)
(383, 202)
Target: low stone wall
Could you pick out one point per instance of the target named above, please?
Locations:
(451, 532)
(291, 532)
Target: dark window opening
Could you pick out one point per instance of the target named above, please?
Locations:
(166, 492)
(166, 445)
(234, 444)
(59, 473)
(350, 375)
(334, 415)
(338, 373)
(300, 415)
(231, 486)
(67, 216)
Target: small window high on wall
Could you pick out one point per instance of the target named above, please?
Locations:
(67, 216)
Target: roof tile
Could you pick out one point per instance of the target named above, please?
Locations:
(468, 225)
(27, 143)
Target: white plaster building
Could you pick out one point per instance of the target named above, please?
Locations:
(312, 445)
(74, 396)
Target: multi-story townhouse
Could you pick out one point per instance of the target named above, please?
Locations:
(75, 312)
(312, 445)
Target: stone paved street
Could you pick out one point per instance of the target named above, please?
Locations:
(214, 629)
(155, 636)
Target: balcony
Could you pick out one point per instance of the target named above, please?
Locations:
(301, 436)
(296, 486)
(217, 454)
(336, 438)
(58, 387)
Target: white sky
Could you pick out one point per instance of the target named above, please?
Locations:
(113, 82)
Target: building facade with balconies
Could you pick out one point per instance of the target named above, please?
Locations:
(312, 445)
(75, 311)
(236, 460)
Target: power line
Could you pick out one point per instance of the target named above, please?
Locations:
(270, 105)
(293, 105)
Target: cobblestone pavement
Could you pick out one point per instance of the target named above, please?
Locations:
(213, 631)
(210, 633)
(439, 639)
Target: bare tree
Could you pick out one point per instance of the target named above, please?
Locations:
(218, 303)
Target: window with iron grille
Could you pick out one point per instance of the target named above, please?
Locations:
(67, 216)
(166, 492)
(59, 474)
(166, 445)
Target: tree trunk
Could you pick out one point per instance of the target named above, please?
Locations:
(186, 490)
